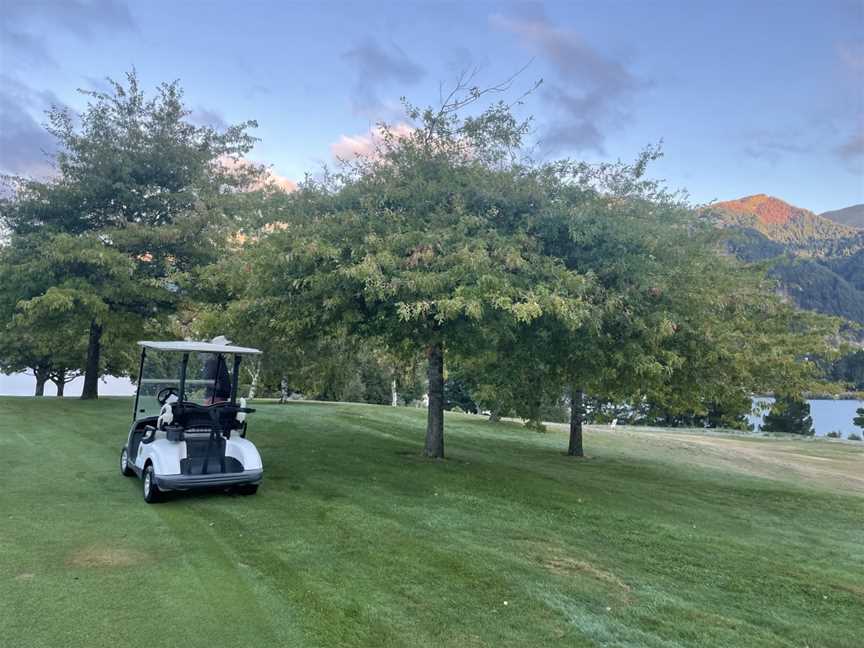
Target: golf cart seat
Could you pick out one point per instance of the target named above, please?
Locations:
(194, 418)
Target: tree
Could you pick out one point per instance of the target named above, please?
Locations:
(43, 334)
(456, 395)
(423, 246)
(789, 414)
(859, 420)
(673, 323)
(141, 198)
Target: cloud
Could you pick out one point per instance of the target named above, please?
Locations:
(773, 145)
(25, 146)
(589, 93)
(22, 29)
(206, 117)
(348, 147)
(853, 148)
(25, 44)
(375, 68)
(271, 178)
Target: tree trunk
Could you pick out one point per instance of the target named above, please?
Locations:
(494, 416)
(253, 385)
(576, 412)
(41, 379)
(59, 378)
(394, 395)
(435, 419)
(91, 371)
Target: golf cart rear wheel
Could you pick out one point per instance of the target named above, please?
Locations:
(247, 489)
(125, 468)
(151, 490)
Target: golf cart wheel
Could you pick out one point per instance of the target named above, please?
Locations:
(247, 489)
(125, 468)
(151, 490)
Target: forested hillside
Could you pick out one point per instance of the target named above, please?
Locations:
(851, 216)
(818, 262)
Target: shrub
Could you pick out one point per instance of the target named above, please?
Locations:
(833, 435)
(789, 414)
(859, 420)
(854, 437)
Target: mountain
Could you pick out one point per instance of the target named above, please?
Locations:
(850, 216)
(796, 228)
(818, 263)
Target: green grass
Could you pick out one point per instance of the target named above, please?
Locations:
(353, 540)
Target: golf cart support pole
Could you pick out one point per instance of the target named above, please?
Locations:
(138, 386)
(183, 366)
(234, 379)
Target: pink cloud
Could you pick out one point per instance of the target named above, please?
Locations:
(270, 178)
(349, 147)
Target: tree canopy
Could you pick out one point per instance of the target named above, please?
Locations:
(141, 198)
(526, 281)
(533, 277)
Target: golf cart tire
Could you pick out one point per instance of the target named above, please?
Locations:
(125, 468)
(247, 489)
(151, 494)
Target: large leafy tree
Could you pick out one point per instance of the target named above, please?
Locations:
(141, 198)
(673, 320)
(424, 247)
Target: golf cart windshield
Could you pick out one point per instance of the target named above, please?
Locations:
(200, 373)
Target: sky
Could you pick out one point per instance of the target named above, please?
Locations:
(746, 97)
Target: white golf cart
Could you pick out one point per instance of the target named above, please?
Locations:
(188, 430)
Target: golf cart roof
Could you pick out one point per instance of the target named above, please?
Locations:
(197, 347)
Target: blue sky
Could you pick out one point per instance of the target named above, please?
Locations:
(748, 97)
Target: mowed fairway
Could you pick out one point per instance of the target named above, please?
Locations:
(655, 539)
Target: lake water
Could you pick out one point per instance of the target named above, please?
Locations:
(828, 415)
(24, 385)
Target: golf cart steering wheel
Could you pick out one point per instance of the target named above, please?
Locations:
(164, 393)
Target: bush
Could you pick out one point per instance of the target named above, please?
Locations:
(833, 435)
(789, 414)
(859, 420)
(854, 437)
(535, 425)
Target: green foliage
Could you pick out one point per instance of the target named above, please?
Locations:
(457, 396)
(814, 286)
(142, 198)
(849, 370)
(789, 414)
(426, 244)
(859, 420)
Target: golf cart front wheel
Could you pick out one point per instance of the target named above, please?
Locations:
(125, 468)
(151, 490)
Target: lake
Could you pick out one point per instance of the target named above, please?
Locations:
(22, 384)
(828, 415)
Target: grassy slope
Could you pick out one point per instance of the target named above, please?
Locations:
(354, 540)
